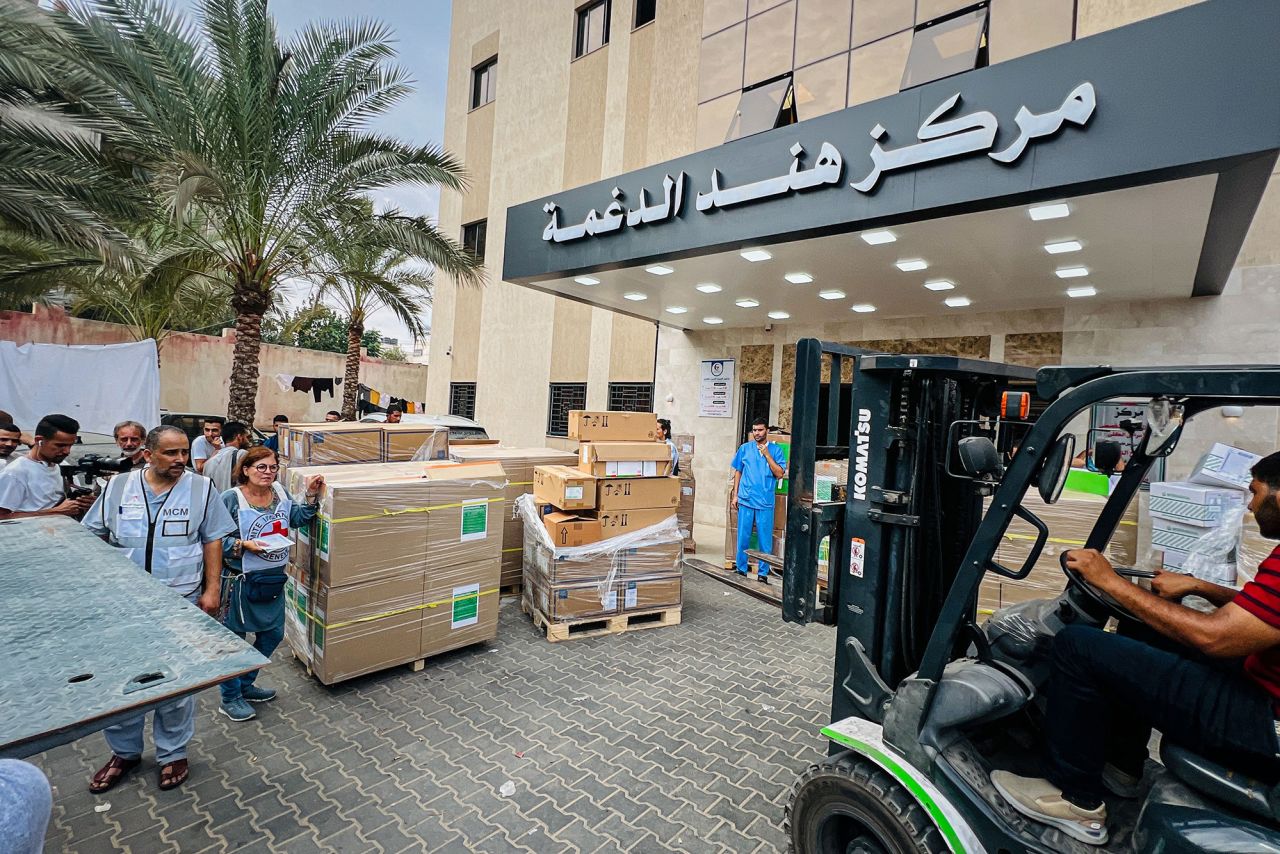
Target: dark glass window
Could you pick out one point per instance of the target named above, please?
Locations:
(593, 28)
(484, 83)
(646, 11)
(948, 46)
(631, 397)
(473, 237)
(766, 106)
(462, 399)
(564, 397)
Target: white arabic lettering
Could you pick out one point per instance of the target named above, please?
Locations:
(615, 215)
(961, 135)
(1077, 109)
(826, 170)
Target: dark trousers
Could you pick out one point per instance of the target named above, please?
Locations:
(1107, 691)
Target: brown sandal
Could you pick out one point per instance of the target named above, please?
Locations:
(112, 773)
(176, 772)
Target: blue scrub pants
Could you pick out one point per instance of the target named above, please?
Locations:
(762, 521)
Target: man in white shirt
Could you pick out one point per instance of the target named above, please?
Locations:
(10, 438)
(130, 436)
(207, 445)
(220, 468)
(32, 485)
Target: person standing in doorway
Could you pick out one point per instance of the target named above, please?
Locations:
(170, 523)
(757, 467)
(207, 445)
(664, 435)
(221, 467)
(253, 569)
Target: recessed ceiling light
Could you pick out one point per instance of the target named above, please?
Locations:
(1054, 211)
(676, 309)
(659, 270)
(831, 294)
(779, 315)
(634, 297)
(798, 278)
(912, 265)
(957, 302)
(713, 320)
(587, 280)
(710, 288)
(940, 284)
(747, 302)
(1085, 291)
(1071, 272)
(1063, 246)
(863, 308)
(875, 238)
(756, 255)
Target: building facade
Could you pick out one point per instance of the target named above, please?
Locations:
(1140, 250)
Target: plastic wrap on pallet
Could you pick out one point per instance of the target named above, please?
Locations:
(346, 443)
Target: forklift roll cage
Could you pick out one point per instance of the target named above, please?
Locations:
(891, 451)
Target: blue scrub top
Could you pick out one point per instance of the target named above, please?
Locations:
(757, 485)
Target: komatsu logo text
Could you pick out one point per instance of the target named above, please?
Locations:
(862, 438)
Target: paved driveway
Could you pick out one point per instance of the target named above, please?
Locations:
(684, 738)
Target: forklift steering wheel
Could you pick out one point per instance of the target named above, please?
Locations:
(1093, 594)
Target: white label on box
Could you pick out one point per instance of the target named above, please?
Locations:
(573, 493)
(650, 468)
(626, 468)
(857, 556)
(687, 490)
(610, 600)
(631, 597)
(466, 606)
(475, 519)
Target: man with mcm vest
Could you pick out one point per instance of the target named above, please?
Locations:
(170, 522)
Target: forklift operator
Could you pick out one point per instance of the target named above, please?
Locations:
(1208, 681)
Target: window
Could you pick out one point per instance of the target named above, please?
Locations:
(769, 105)
(564, 397)
(473, 237)
(462, 399)
(631, 397)
(646, 11)
(948, 46)
(484, 83)
(593, 28)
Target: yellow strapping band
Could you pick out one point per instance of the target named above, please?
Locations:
(398, 611)
(389, 513)
(513, 549)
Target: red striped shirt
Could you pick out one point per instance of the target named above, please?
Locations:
(1261, 597)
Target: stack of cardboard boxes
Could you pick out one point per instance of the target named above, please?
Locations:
(684, 443)
(345, 443)
(402, 563)
(519, 464)
(591, 548)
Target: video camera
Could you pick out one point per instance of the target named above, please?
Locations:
(81, 474)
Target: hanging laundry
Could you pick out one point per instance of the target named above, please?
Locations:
(285, 381)
(302, 384)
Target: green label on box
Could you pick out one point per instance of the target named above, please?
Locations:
(466, 606)
(475, 519)
(322, 537)
(782, 487)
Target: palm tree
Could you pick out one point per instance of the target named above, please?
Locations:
(265, 141)
(366, 275)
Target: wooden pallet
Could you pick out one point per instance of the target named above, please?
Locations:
(415, 666)
(607, 625)
(510, 589)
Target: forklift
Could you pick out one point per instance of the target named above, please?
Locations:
(926, 701)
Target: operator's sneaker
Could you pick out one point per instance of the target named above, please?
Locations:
(763, 579)
(1042, 801)
(254, 694)
(238, 710)
(1120, 783)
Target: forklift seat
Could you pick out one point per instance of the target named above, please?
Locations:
(1257, 795)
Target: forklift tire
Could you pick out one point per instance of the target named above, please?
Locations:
(849, 805)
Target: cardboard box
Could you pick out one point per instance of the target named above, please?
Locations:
(782, 440)
(345, 443)
(584, 528)
(685, 446)
(1224, 466)
(461, 611)
(1193, 504)
(564, 487)
(638, 493)
(625, 459)
(542, 564)
(576, 601)
(684, 513)
(642, 594)
(1167, 534)
(613, 426)
(365, 627)
(405, 442)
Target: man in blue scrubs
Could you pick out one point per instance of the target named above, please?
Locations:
(757, 467)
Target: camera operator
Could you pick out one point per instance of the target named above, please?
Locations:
(32, 485)
(10, 438)
(129, 436)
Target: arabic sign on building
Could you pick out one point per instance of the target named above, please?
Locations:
(715, 396)
(936, 139)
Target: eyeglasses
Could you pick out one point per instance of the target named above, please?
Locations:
(266, 469)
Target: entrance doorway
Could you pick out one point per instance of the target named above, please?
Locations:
(755, 404)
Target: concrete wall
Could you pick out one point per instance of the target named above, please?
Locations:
(195, 369)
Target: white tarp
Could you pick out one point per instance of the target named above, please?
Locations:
(99, 385)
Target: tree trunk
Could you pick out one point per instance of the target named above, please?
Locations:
(250, 302)
(351, 379)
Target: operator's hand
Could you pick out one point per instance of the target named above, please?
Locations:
(1092, 566)
(762, 448)
(210, 602)
(1174, 585)
(84, 502)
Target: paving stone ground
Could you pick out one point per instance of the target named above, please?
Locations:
(671, 739)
